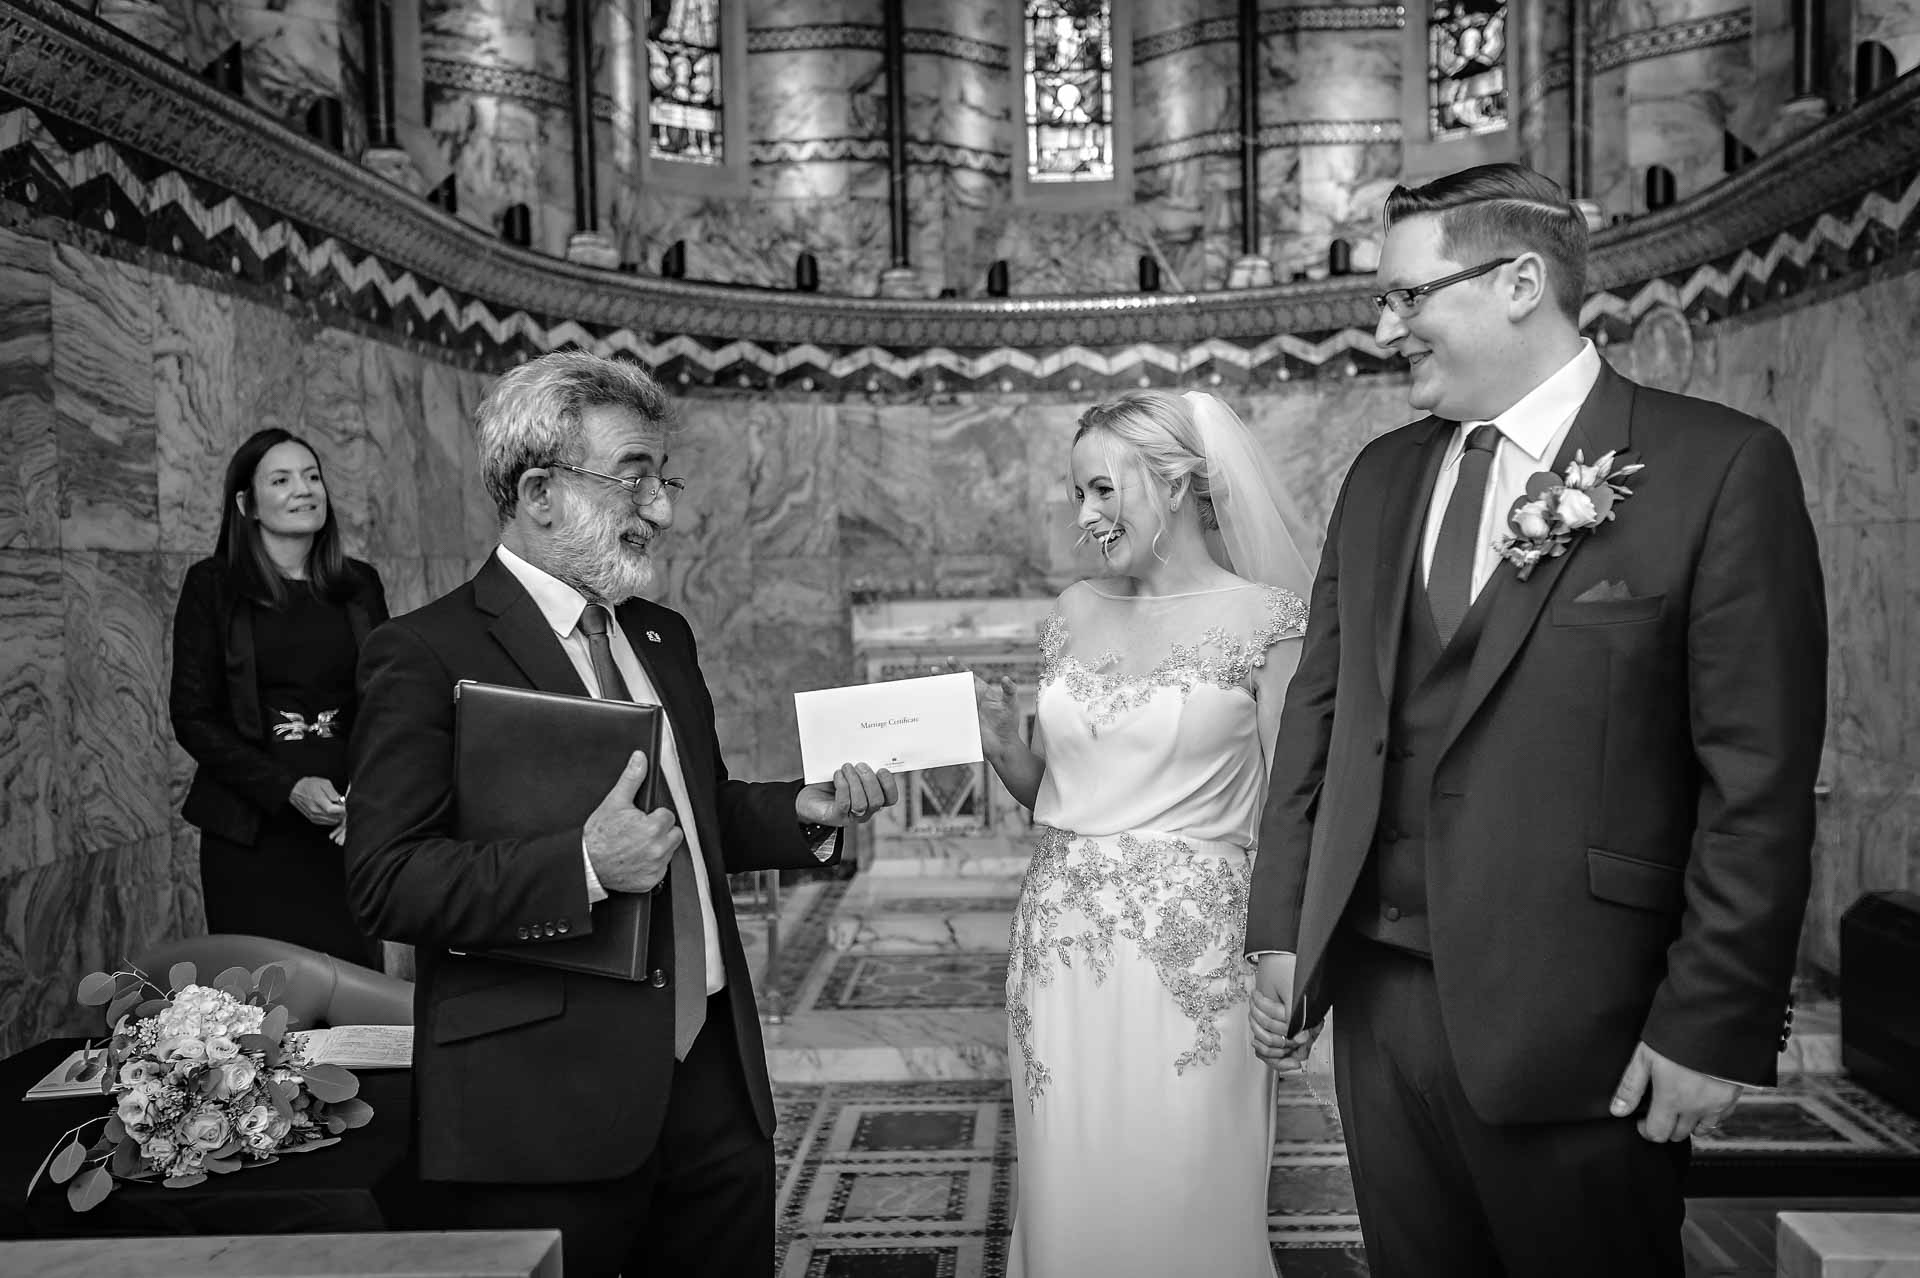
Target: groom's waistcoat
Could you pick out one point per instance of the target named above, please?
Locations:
(1389, 903)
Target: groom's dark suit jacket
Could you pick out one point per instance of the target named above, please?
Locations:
(1620, 818)
(523, 1073)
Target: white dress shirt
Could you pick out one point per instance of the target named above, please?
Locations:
(1531, 433)
(562, 605)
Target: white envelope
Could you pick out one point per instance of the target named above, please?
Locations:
(903, 725)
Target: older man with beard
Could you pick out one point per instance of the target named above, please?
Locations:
(635, 1117)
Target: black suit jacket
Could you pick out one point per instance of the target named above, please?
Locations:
(215, 698)
(524, 1073)
(1621, 819)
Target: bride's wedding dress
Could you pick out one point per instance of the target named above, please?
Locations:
(1144, 1119)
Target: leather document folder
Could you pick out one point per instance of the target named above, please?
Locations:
(529, 763)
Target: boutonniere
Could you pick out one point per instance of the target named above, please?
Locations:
(1554, 509)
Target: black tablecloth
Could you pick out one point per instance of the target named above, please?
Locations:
(363, 1183)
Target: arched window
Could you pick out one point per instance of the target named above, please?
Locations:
(1069, 72)
(1466, 68)
(1073, 101)
(686, 83)
(1661, 188)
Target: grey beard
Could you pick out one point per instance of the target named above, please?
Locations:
(586, 552)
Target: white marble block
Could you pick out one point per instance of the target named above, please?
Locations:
(1864, 1244)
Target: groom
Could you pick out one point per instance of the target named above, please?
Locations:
(1541, 838)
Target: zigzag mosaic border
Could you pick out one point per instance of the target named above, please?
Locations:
(273, 215)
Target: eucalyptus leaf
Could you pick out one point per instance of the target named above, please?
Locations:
(355, 1112)
(236, 981)
(184, 1182)
(253, 1042)
(116, 1131)
(312, 1145)
(89, 1189)
(270, 981)
(221, 1166)
(67, 1162)
(152, 1007)
(331, 1083)
(182, 974)
(95, 988)
(275, 1024)
(126, 1158)
(121, 1006)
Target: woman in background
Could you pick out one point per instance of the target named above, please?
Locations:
(265, 640)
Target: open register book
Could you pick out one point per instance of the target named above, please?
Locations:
(350, 1046)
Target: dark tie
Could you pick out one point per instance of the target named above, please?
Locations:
(689, 938)
(1450, 576)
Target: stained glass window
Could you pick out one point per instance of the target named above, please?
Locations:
(1466, 67)
(1069, 65)
(683, 77)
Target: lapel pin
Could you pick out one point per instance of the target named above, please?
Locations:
(653, 636)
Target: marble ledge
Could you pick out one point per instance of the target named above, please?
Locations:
(524, 1253)
(1819, 1244)
(896, 1045)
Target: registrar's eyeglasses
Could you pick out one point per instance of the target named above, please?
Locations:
(1405, 302)
(644, 488)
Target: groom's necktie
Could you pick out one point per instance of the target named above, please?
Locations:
(1450, 576)
(689, 940)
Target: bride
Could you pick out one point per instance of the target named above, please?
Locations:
(1143, 1118)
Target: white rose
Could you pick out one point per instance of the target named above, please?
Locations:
(206, 1129)
(159, 1151)
(222, 1048)
(182, 1048)
(256, 1121)
(134, 1109)
(1577, 509)
(236, 1076)
(1531, 520)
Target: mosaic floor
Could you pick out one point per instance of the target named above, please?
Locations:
(915, 1179)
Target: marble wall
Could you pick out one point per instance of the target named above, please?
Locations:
(1837, 375)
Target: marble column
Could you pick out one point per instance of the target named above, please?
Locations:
(960, 88)
(1186, 143)
(1250, 270)
(1607, 172)
(1331, 137)
(898, 279)
(588, 244)
(1682, 93)
(620, 104)
(497, 106)
(1542, 65)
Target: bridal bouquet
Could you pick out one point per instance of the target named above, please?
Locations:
(205, 1079)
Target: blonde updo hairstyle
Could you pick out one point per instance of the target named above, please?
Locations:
(1157, 426)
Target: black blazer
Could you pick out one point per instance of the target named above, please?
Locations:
(522, 1073)
(215, 698)
(1621, 819)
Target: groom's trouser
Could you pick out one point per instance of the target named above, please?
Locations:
(1442, 1193)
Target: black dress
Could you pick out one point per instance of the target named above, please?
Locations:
(291, 884)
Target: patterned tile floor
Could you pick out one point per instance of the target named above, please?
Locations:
(914, 1180)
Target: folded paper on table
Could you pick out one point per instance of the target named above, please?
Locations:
(349, 1046)
(903, 725)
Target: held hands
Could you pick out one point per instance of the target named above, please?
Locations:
(1684, 1102)
(629, 849)
(851, 798)
(1268, 1011)
(315, 799)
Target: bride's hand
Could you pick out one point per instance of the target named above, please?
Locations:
(999, 710)
(1268, 1011)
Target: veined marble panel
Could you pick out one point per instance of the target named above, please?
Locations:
(103, 402)
(78, 914)
(714, 450)
(488, 32)
(1678, 110)
(550, 40)
(949, 213)
(1861, 436)
(803, 13)
(715, 593)
(1625, 17)
(1870, 621)
(1047, 427)
(758, 242)
(195, 410)
(1867, 839)
(885, 472)
(288, 60)
(1884, 394)
(269, 375)
(334, 423)
(554, 216)
(192, 33)
(975, 492)
(1291, 253)
(1338, 75)
(404, 578)
(802, 642)
(793, 499)
(959, 103)
(444, 574)
(34, 708)
(1312, 433)
(1616, 188)
(1084, 251)
(494, 145)
(447, 467)
(818, 93)
(1186, 94)
(1342, 190)
(29, 449)
(116, 610)
(397, 446)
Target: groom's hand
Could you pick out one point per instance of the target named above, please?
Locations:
(1684, 1101)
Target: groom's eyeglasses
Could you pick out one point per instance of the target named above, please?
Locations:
(644, 488)
(1405, 302)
